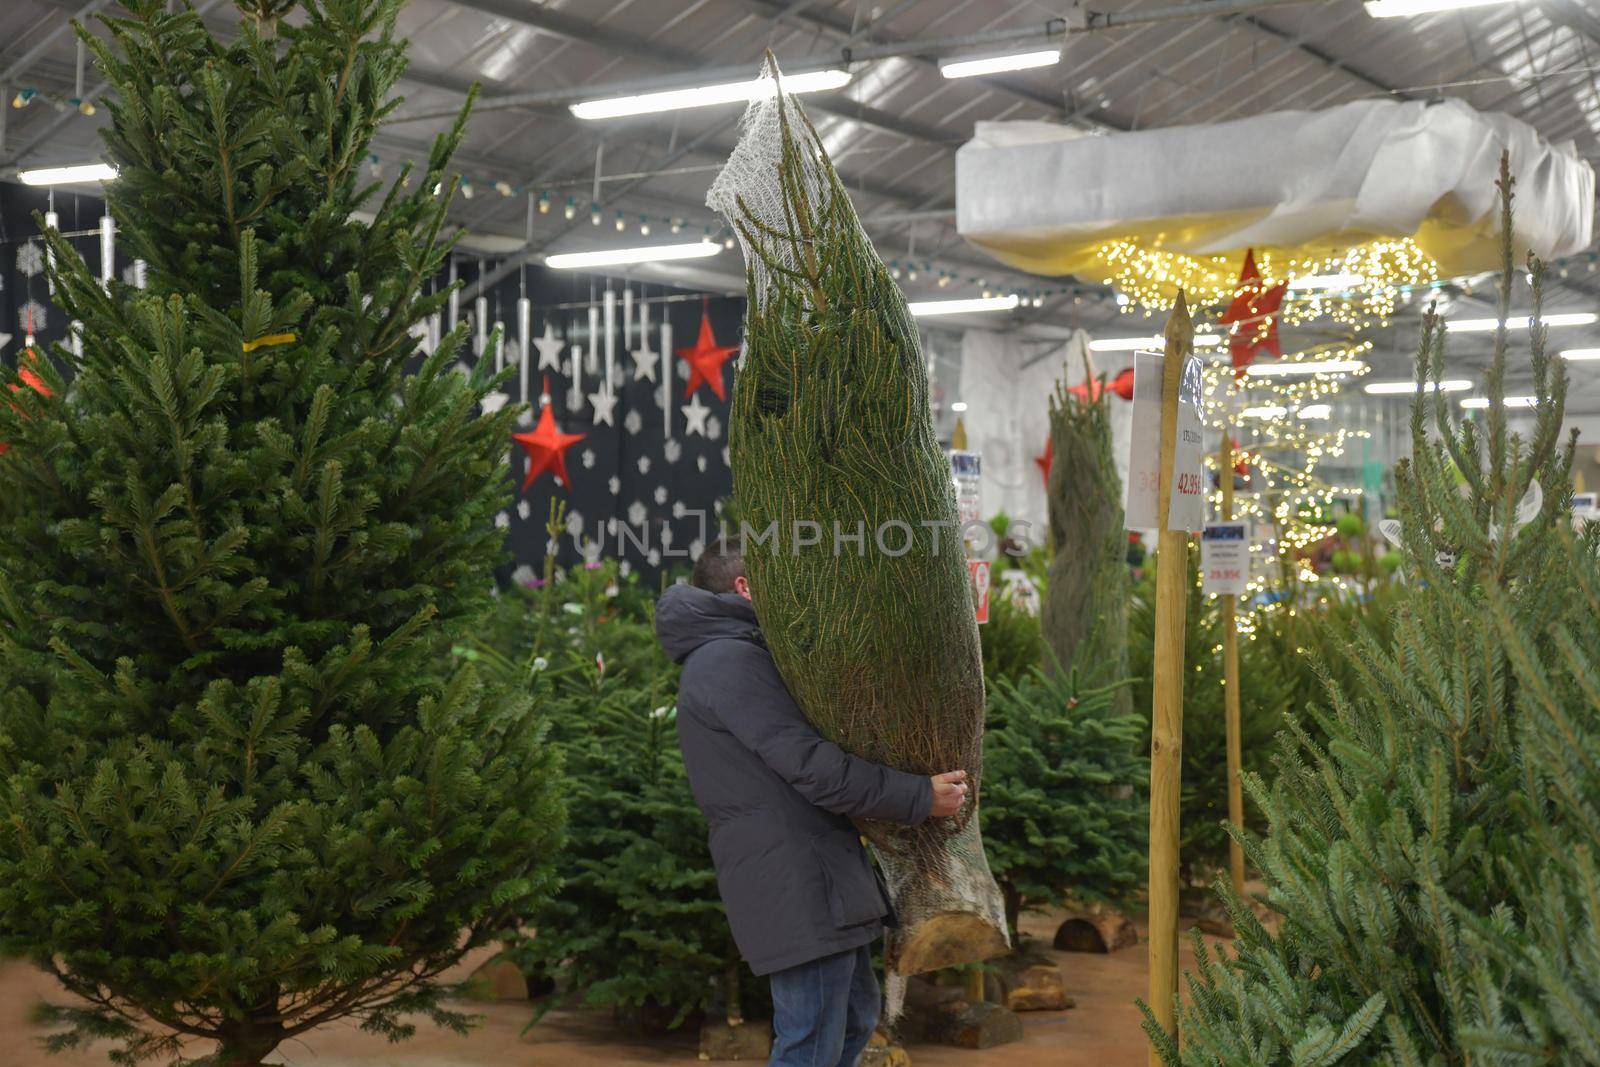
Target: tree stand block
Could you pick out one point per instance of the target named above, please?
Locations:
(947, 940)
(1029, 983)
(498, 980)
(964, 1024)
(749, 1040)
(882, 1052)
(1101, 932)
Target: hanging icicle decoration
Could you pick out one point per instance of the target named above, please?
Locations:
(610, 304)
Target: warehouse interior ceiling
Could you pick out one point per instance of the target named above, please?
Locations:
(894, 129)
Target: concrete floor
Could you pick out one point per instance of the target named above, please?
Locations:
(1101, 1031)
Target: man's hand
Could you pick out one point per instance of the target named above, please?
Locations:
(949, 790)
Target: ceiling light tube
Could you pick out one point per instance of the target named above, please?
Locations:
(83, 172)
(1389, 9)
(706, 95)
(1511, 401)
(1520, 322)
(1580, 355)
(1449, 385)
(972, 68)
(925, 308)
(616, 257)
(1315, 411)
(1155, 344)
(1305, 366)
(1268, 411)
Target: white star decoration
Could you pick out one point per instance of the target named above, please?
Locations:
(605, 406)
(549, 347)
(694, 416)
(493, 402)
(644, 364)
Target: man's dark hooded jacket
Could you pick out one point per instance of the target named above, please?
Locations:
(791, 868)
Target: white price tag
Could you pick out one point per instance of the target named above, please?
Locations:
(1224, 558)
(1141, 496)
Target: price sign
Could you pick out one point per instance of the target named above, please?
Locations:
(1142, 494)
(967, 469)
(978, 574)
(1224, 558)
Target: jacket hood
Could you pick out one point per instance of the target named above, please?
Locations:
(688, 617)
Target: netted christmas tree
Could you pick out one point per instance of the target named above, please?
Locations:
(244, 790)
(832, 438)
(1086, 598)
(1433, 860)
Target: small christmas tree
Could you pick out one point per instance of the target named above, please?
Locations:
(637, 925)
(1066, 813)
(1264, 692)
(244, 792)
(1085, 617)
(1433, 861)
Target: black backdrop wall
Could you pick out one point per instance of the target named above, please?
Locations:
(641, 492)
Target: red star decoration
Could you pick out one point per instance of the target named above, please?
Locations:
(1090, 391)
(546, 445)
(705, 360)
(1048, 459)
(1253, 317)
(31, 380)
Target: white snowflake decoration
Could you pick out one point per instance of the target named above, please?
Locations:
(727, 461)
(700, 461)
(574, 400)
(713, 427)
(696, 548)
(611, 526)
(644, 464)
(525, 417)
(636, 513)
(661, 494)
(632, 422)
(624, 568)
(654, 557)
(30, 259)
(591, 551)
(614, 484)
(523, 575)
(683, 372)
(672, 450)
(524, 509)
(588, 459)
(678, 509)
(503, 520)
(33, 317)
(666, 537)
(574, 522)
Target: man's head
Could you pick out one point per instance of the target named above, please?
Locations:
(720, 568)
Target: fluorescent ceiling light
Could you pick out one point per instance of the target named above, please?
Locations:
(1450, 385)
(1269, 411)
(1156, 343)
(1315, 411)
(1389, 9)
(922, 309)
(971, 68)
(959, 405)
(614, 257)
(83, 172)
(705, 95)
(1520, 322)
(1305, 366)
(1511, 401)
(1327, 281)
(1578, 355)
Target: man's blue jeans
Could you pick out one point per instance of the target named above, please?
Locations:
(823, 1012)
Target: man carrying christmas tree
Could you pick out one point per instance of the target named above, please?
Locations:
(803, 898)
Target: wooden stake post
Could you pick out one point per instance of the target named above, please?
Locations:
(1166, 732)
(1230, 681)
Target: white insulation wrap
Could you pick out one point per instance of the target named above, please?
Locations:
(1043, 198)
